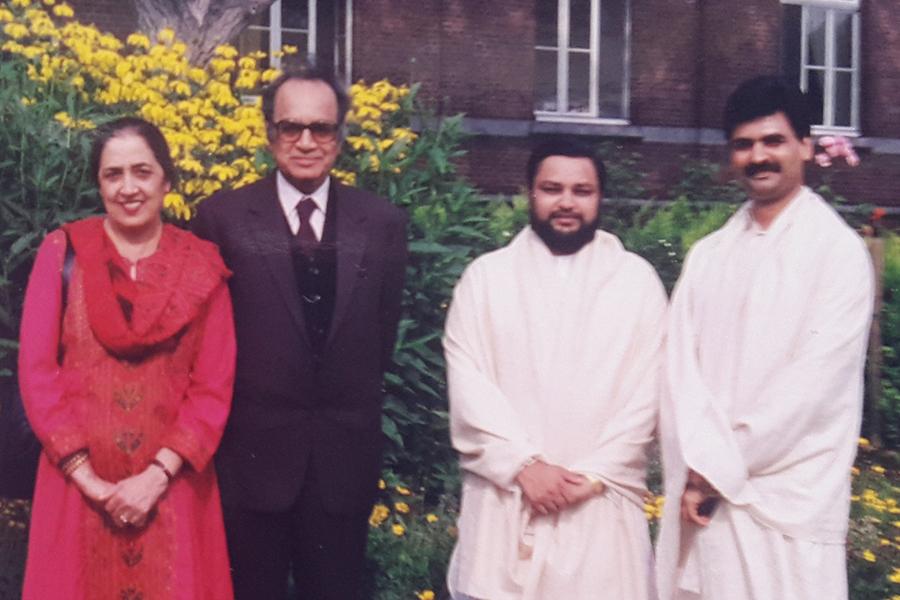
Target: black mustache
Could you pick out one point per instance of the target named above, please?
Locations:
(752, 170)
(565, 214)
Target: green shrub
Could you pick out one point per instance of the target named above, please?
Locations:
(409, 543)
(43, 183)
(890, 337)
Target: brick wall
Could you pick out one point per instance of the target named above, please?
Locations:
(497, 166)
(115, 16)
(472, 57)
(664, 46)
(740, 39)
(686, 57)
(880, 88)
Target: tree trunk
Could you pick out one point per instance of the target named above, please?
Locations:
(201, 24)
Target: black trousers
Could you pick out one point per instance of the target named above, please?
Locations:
(324, 552)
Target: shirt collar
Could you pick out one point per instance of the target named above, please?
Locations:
(784, 219)
(289, 196)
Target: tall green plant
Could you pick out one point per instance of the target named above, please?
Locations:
(42, 184)
(890, 335)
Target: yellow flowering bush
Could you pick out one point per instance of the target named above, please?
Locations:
(410, 545)
(873, 545)
(211, 115)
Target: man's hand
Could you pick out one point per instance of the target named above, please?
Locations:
(133, 498)
(579, 488)
(542, 485)
(698, 500)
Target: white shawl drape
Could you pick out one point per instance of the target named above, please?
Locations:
(765, 354)
(559, 364)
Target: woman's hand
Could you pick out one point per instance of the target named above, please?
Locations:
(94, 488)
(133, 498)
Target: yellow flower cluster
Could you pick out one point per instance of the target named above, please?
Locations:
(210, 115)
(380, 513)
(653, 506)
(873, 501)
(372, 131)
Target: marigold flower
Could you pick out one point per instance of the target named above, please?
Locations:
(425, 595)
(402, 490)
(401, 507)
(380, 512)
(864, 442)
(878, 469)
(63, 10)
(15, 30)
(869, 556)
(398, 529)
(431, 518)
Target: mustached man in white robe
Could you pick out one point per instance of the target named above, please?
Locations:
(554, 358)
(765, 354)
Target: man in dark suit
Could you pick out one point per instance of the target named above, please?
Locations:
(318, 278)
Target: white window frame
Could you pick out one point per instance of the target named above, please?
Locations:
(275, 30)
(830, 69)
(562, 50)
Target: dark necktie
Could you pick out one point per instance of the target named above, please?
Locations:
(305, 234)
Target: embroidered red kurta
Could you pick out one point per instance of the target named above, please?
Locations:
(166, 382)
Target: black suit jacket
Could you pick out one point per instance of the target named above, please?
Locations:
(288, 411)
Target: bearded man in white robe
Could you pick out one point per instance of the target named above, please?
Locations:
(765, 354)
(553, 348)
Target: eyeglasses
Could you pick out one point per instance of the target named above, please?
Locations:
(321, 131)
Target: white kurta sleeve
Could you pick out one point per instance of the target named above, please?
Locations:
(703, 432)
(813, 389)
(484, 428)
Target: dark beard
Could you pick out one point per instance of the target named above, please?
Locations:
(563, 243)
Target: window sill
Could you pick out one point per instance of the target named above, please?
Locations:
(850, 132)
(551, 117)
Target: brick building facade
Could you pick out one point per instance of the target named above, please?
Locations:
(661, 94)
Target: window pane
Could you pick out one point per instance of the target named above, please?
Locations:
(842, 95)
(295, 14)
(612, 83)
(815, 90)
(791, 55)
(579, 23)
(815, 36)
(545, 81)
(843, 38)
(545, 22)
(579, 81)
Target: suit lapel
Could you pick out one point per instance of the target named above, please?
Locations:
(271, 236)
(352, 238)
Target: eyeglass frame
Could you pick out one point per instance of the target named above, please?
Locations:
(328, 132)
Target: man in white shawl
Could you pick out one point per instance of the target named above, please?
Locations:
(553, 348)
(765, 353)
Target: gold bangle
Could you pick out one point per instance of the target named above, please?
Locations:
(72, 462)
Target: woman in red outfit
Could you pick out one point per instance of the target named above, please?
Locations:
(128, 392)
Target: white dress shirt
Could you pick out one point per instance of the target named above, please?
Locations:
(290, 197)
